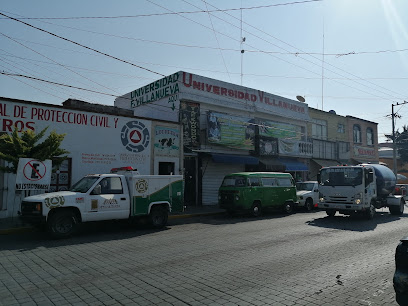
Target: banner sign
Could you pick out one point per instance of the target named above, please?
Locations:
(167, 141)
(33, 174)
(279, 130)
(190, 119)
(268, 147)
(367, 152)
(295, 148)
(230, 131)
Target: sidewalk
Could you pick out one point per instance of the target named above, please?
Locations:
(14, 225)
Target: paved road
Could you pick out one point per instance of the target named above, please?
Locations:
(301, 259)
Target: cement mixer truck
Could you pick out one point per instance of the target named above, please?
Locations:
(358, 189)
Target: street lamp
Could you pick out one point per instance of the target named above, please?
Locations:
(394, 143)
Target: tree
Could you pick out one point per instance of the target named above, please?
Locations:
(401, 141)
(13, 147)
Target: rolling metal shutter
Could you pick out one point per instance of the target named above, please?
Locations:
(212, 179)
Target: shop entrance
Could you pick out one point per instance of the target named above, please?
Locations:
(190, 181)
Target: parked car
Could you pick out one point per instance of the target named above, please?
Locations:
(400, 279)
(308, 194)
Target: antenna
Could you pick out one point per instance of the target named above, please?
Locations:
(242, 50)
(323, 63)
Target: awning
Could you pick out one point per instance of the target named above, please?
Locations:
(326, 162)
(272, 164)
(293, 165)
(234, 159)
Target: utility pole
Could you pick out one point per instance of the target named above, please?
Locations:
(394, 143)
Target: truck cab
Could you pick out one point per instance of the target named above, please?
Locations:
(358, 190)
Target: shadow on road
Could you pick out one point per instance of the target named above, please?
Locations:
(87, 233)
(354, 223)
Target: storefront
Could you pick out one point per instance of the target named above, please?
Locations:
(226, 128)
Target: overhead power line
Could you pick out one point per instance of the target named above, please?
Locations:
(81, 45)
(173, 13)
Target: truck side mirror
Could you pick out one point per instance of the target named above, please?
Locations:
(97, 190)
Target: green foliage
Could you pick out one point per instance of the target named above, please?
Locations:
(13, 147)
(401, 140)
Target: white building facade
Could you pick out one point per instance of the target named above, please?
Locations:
(226, 128)
(98, 139)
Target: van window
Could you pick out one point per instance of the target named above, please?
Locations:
(254, 181)
(285, 182)
(268, 181)
(234, 181)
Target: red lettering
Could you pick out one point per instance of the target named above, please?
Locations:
(216, 90)
(223, 91)
(190, 80)
(196, 85)
(30, 126)
(7, 123)
(261, 95)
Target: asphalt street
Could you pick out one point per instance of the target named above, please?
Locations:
(299, 259)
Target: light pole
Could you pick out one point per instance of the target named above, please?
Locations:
(394, 143)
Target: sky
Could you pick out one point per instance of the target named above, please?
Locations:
(350, 56)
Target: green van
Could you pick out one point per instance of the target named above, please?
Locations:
(254, 192)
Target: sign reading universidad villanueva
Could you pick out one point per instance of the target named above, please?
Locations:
(160, 89)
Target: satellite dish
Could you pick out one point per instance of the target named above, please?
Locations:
(300, 98)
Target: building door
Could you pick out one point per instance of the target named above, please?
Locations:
(190, 181)
(166, 168)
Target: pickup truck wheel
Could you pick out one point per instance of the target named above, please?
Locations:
(62, 224)
(256, 209)
(330, 212)
(158, 216)
(309, 204)
(398, 210)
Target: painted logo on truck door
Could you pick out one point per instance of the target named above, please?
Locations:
(135, 136)
(141, 185)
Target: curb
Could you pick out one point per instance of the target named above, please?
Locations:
(15, 230)
(195, 215)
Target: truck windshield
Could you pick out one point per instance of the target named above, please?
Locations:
(234, 181)
(341, 176)
(84, 184)
(305, 186)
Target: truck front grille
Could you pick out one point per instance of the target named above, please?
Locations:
(339, 200)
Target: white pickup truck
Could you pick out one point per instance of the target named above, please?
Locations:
(124, 194)
(308, 194)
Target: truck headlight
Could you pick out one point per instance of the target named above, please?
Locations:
(237, 198)
(357, 198)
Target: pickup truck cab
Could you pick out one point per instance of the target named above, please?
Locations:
(114, 196)
(308, 194)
